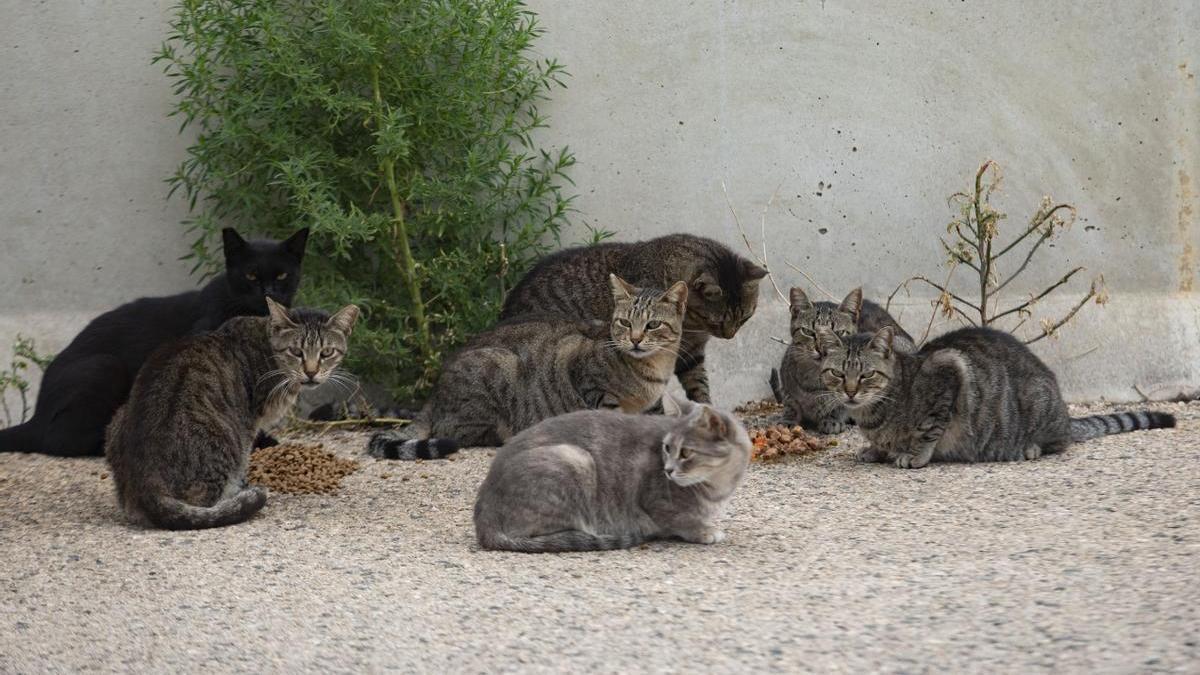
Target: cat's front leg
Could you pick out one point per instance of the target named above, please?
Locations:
(873, 454)
(690, 370)
(702, 534)
(914, 460)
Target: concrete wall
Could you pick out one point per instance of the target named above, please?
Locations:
(865, 115)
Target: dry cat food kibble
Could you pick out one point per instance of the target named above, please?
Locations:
(778, 441)
(299, 469)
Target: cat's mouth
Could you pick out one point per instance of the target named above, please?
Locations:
(640, 351)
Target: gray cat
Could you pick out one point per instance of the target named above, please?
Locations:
(597, 480)
(531, 368)
(179, 448)
(972, 395)
(723, 285)
(797, 383)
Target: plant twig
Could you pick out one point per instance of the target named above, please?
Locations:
(356, 422)
(1024, 306)
(745, 238)
(812, 281)
(1049, 330)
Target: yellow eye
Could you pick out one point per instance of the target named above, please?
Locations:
(327, 352)
(281, 276)
(252, 276)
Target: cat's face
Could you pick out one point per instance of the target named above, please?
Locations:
(858, 369)
(258, 270)
(646, 321)
(808, 317)
(702, 446)
(724, 294)
(308, 344)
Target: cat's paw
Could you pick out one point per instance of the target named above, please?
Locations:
(264, 440)
(709, 536)
(872, 454)
(907, 460)
(1033, 451)
(831, 426)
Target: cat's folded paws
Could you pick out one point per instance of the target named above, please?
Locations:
(831, 426)
(907, 460)
(712, 536)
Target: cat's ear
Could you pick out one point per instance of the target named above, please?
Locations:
(676, 407)
(235, 247)
(295, 244)
(798, 299)
(751, 271)
(706, 286)
(852, 305)
(621, 289)
(711, 420)
(280, 319)
(882, 342)
(677, 294)
(827, 340)
(343, 320)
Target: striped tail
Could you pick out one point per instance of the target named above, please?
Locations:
(558, 542)
(392, 445)
(1095, 426)
(172, 514)
(776, 385)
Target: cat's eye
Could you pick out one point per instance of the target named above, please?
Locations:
(652, 325)
(807, 333)
(295, 352)
(870, 374)
(281, 276)
(624, 323)
(685, 453)
(251, 276)
(327, 352)
(835, 372)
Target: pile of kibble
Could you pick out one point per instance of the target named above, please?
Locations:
(299, 469)
(778, 441)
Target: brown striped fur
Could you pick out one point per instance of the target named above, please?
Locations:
(522, 372)
(180, 447)
(723, 290)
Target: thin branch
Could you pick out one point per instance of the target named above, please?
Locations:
(812, 281)
(1030, 302)
(1035, 225)
(356, 422)
(938, 302)
(1041, 240)
(780, 340)
(1078, 306)
(964, 301)
(749, 247)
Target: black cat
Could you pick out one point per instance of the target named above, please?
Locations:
(86, 383)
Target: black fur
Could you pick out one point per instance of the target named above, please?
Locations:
(85, 383)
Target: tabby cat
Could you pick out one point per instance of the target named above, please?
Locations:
(180, 447)
(797, 383)
(971, 395)
(597, 479)
(86, 383)
(524, 371)
(723, 290)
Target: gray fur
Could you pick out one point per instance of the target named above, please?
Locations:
(797, 383)
(972, 395)
(524, 371)
(597, 480)
(723, 290)
(179, 448)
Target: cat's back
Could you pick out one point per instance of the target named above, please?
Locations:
(134, 330)
(618, 442)
(572, 282)
(992, 350)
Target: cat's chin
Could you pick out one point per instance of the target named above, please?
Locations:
(640, 353)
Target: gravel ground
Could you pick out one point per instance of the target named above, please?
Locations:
(1085, 562)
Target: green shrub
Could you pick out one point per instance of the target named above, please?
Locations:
(400, 131)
